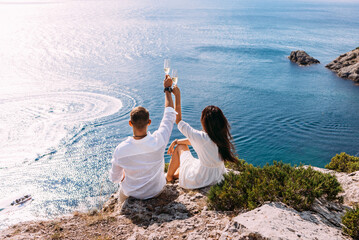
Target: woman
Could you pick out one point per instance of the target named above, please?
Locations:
(212, 145)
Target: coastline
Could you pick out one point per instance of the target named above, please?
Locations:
(183, 214)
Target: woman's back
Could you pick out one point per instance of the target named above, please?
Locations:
(205, 148)
(213, 146)
(208, 169)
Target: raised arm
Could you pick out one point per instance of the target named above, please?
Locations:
(192, 134)
(168, 97)
(169, 116)
(176, 91)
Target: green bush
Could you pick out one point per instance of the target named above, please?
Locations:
(344, 163)
(166, 167)
(350, 221)
(240, 165)
(296, 187)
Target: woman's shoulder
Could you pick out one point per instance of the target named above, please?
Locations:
(204, 136)
(182, 125)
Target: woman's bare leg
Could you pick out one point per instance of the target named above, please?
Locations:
(176, 175)
(175, 161)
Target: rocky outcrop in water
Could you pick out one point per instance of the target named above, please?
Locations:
(183, 214)
(346, 65)
(302, 58)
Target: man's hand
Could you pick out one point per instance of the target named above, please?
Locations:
(176, 91)
(167, 82)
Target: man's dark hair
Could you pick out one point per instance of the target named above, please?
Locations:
(139, 117)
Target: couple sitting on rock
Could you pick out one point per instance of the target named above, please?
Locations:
(138, 162)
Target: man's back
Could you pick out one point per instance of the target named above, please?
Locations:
(143, 161)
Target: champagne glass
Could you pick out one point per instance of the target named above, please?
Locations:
(167, 66)
(174, 76)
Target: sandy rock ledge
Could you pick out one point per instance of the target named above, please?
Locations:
(183, 214)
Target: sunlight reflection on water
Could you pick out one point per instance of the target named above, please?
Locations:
(71, 71)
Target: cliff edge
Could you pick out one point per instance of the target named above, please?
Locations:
(183, 214)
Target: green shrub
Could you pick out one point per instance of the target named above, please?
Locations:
(166, 167)
(350, 221)
(344, 163)
(240, 165)
(296, 187)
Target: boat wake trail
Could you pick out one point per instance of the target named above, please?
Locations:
(33, 126)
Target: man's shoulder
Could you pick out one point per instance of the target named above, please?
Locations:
(123, 147)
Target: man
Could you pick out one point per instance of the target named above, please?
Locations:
(138, 162)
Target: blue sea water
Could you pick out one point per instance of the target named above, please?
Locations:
(71, 71)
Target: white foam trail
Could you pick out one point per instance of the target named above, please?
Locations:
(31, 125)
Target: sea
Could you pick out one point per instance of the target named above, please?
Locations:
(72, 70)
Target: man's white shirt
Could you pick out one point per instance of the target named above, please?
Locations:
(143, 161)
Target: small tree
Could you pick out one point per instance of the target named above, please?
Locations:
(351, 222)
(344, 163)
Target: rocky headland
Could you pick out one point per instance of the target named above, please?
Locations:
(347, 65)
(302, 58)
(183, 214)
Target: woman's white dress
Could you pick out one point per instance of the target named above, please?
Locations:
(208, 169)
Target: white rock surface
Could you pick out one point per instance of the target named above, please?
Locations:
(277, 221)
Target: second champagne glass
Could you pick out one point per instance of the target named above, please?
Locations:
(167, 66)
(174, 76)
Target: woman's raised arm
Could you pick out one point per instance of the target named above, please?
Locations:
(177, 93)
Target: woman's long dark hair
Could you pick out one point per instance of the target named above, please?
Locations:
(216, 125)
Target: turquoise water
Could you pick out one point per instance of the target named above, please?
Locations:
(70, 72)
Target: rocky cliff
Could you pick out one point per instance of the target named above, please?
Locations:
(346, 65)
(183, 214)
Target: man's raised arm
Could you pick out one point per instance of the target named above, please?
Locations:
(169, 115)
(168, 97)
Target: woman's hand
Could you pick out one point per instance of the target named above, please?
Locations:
(171, 148)
(176, 91)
